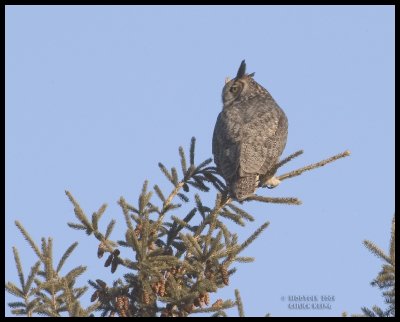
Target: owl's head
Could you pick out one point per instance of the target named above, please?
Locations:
(242, 87)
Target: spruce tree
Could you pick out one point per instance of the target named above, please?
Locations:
(175, 259)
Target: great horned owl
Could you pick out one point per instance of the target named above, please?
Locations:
(249, 135)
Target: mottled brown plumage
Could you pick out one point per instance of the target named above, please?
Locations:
(249, 135)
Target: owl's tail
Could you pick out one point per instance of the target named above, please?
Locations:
(244, 187)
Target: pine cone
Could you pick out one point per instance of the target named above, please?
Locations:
(114, 264)
(166, 313)
(207, 299)
(145, 297)
(217, 304)
(94, 296)
(196, 302)
(109, 260)
(120, 305)
(100, 250)
(188, 308)
(161, 288)
(224, 274)
(101, 283)
(138, 230)
(155, 287)
(151, 246)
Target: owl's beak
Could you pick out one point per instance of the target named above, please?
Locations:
(242, 69)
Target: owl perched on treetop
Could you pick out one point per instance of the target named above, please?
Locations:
(249, 135)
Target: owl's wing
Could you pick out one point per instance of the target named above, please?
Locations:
(225, 148)
(263, 140)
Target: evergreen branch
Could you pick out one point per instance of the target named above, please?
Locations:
(75, 272)
(198, 184)
(14, 290)
(215, 245)
(31, 276)
(192, 147)
(15, 305)
(377, 251)
(97, 215)
(19, 312)
(125, 211)
(175, 229)
(225, 231)
(215, 181)
(19, 267)
(200, 206)
(144, 198)
(239, 303)
(234, 217)
(76, 226)
(65, 256)
(248, 241)
(167, 202)
(49, 259)
(392, 242)
(132, 240)
(95, 222)
(223, 306)
(145, 235)
(312, 166)
(110, 228)
(219, 314)
(174, 174)
(284, 200)
(183, 197)
(203, 164)
(131, 208)
(29, 239)
(165, 172)
(180, 222)
(191, 245)
(80, 214)
(183, 161)
(241, 212)
(245, 259)
(212, 218)
(159, 193)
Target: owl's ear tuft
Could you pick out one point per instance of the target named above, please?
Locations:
(252, 74)
(242, 69)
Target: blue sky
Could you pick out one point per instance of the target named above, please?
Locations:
(96, 96)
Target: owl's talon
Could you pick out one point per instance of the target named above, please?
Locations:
(272, 183)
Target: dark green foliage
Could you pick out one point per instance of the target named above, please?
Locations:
(177, 258)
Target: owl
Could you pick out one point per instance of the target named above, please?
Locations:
(249, 135)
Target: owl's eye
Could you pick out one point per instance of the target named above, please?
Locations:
(234, 88)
